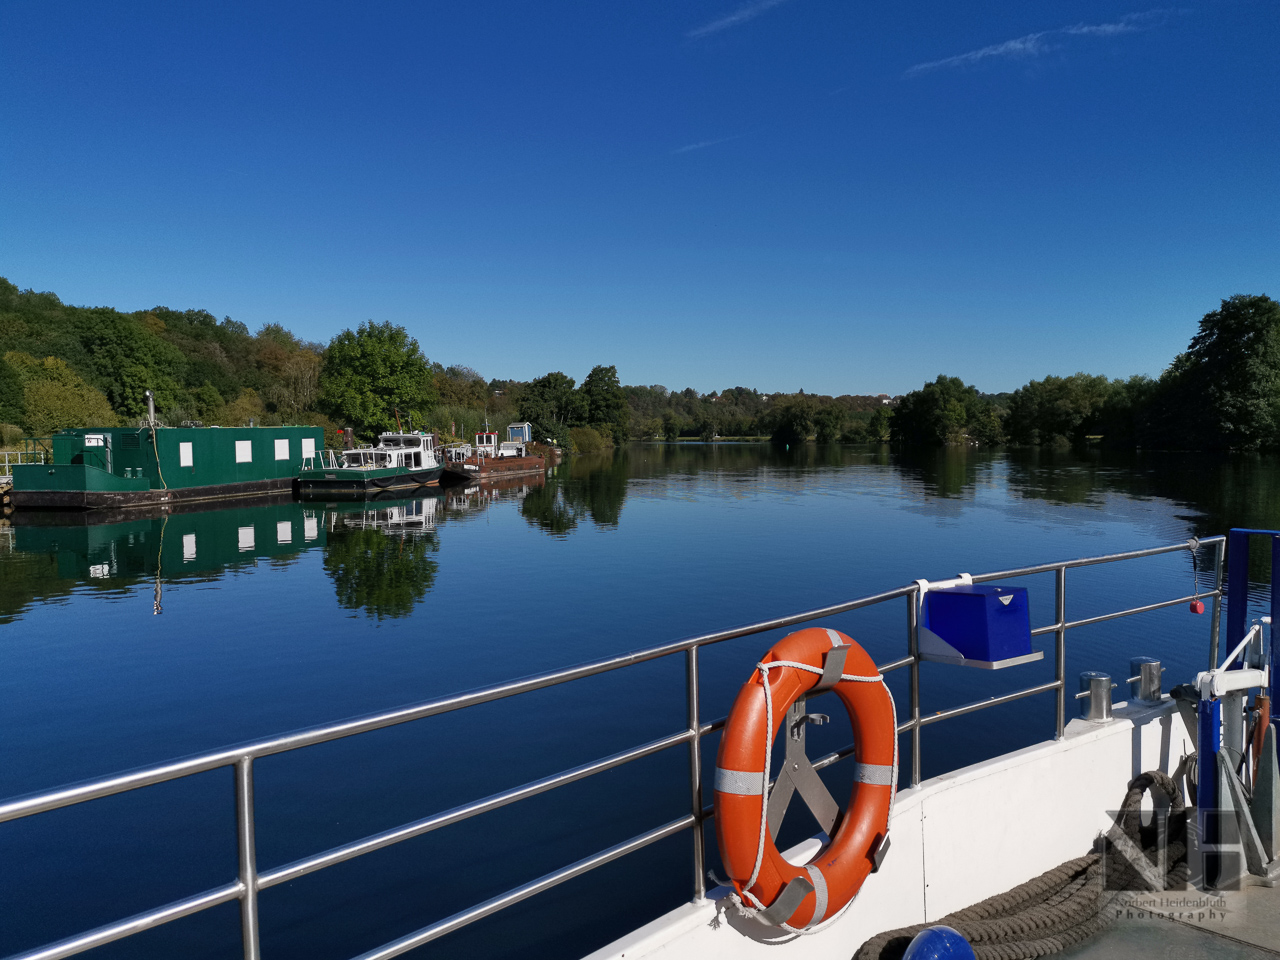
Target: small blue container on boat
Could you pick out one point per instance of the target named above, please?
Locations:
(982, 622)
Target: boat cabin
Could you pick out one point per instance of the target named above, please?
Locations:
(518, 436)
(411, 451)
(487, 444)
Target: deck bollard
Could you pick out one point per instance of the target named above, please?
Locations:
(1095, 696)
(1145, 679)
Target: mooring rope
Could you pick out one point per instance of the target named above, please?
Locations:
(1067, 904)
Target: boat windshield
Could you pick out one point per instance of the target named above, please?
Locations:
(366, 458)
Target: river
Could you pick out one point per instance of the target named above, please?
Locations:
(151, 637)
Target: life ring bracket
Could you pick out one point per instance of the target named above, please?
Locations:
(804, 898)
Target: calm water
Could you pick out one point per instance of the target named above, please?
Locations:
(133, 642)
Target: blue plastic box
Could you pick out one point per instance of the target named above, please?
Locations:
(983, 622)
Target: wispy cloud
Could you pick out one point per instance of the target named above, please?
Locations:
(1034, 44)
(703, 144)
(740, 16)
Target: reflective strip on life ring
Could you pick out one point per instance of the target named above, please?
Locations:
(834, 876)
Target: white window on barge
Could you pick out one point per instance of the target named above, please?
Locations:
(244, 451)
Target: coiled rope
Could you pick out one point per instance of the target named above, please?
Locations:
(1067, 904)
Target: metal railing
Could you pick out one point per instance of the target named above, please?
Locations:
(12, 458)
(250, 880)
(323, 460)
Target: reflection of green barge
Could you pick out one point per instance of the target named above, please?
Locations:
(125, 466)
(382, 560)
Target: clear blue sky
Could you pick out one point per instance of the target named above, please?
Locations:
(845, 197)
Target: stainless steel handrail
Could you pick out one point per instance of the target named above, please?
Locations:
(250, 881)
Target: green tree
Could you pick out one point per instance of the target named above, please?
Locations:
(587, 440)
(55, 397)
(606, 404)
(855, 432)
(828, 423)
(988, 429)
(1231, 371)
(1126, 413)
(670, 427)
(944, 411)
(12, 405)
(552, 405)
(248, 406)
(369, 373)
(793, 420)
(1058, 409)
(878, 427)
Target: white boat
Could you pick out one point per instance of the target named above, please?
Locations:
(399, 462)
(956, 839)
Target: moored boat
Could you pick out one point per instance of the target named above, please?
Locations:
(105, 467)
(400, 461)
(488, 458)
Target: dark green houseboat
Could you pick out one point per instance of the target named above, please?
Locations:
(90, 468)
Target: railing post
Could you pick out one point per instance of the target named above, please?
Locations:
(1215, 618)
(695, 774)
(248, 858)
(913, 644)
(1060, 645)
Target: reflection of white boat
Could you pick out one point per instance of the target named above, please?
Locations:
(480, 495)
(413, 516)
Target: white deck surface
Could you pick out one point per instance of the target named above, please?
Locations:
(957, 839)
(1245, 927)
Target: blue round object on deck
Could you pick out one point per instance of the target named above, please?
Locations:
(939, 943)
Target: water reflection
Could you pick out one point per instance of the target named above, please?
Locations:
(949, 473)
(587, 488)
(381, 556)
(382, 560)
(50, 555)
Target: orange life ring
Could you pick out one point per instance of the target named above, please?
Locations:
(756, 869)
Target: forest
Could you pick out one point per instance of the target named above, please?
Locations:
(1222, 393)
(66, 366)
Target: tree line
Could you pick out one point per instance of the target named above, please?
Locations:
(1222, 393)
(65, 366)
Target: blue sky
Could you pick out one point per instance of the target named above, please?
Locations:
(838, 196)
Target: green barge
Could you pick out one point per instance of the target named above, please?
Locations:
(93, 468)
